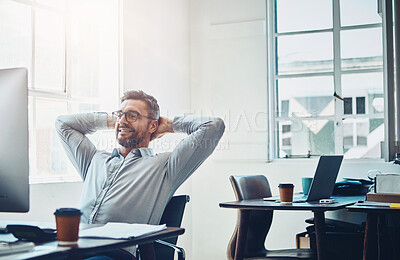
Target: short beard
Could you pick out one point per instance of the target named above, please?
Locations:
(131, 142)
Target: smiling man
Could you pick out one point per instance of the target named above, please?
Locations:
(131, 184)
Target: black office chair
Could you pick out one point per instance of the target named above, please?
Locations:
(172, 217)
(343, 240)
(256, 187)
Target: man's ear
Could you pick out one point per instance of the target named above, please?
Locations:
(153, 126)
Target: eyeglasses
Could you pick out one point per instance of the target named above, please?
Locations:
(130, 116)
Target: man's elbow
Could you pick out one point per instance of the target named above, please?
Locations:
(219, 127)
(60, 122)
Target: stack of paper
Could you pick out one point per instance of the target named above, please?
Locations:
(120, 230)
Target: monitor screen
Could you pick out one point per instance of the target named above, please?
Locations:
(14, 163)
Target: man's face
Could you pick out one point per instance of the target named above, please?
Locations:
(132, 134)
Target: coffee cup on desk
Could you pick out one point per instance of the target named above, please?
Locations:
(306, 184)
(67, 221)
(286, 192)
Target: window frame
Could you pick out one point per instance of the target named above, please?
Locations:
(338, 117)
(64, 94)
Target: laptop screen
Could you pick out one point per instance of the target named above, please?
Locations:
(325, 177)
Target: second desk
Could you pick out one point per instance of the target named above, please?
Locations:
(319, 217)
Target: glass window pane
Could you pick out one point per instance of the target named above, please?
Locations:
(103, 140)
(316, 136)
(305, 13)
(362, 137)
(84, 107)
(15, 35)
(32, 143)
(94, 53)
(50, 157)
(355, 12)
(368, 86)
(305, 97)
(49, 50)
(305, 53)
(362, 48)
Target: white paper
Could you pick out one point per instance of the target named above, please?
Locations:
(387, 183)
(121, 230)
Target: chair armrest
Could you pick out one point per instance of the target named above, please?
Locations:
(179, 250)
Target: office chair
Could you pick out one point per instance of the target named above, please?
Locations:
(257, 187)
(172, 217)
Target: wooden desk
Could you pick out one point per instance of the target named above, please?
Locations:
(90, 246)
(371, 250)
(259, 204)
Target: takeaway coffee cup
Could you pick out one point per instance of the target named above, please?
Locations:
(67, 221)
(286, 192)
(306, 184)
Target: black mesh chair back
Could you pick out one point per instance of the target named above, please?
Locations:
(172, 217)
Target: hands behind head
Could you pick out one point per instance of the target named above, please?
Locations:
(164, 127)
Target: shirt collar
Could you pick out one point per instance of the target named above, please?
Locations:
(141, 152)
(114, 153)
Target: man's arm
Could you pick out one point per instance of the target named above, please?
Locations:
(204, 134)
(72, 130)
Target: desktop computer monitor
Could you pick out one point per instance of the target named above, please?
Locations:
(14, 163)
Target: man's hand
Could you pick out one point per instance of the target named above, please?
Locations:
(111, 121)
(164, 127)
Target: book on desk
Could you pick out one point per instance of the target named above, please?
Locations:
(383, 197)
(386, 200)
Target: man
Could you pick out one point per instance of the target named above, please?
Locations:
(131, 184)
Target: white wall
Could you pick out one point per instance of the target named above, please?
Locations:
(156, 51)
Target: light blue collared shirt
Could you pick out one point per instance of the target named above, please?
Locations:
(134, 189)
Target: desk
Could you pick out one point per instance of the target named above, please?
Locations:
(90, 246)
(371, 250)
(259, 204)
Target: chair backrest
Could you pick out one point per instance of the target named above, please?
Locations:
(252, 187)
(172, 217)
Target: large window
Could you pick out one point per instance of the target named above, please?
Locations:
(326, 73)
(71, 50)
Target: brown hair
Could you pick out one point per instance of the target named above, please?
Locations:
(152, 105)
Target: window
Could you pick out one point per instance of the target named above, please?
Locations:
(71, 50)
(319, 49)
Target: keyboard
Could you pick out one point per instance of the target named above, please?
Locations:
(15, 247)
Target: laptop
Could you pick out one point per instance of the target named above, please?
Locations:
(324, 179)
